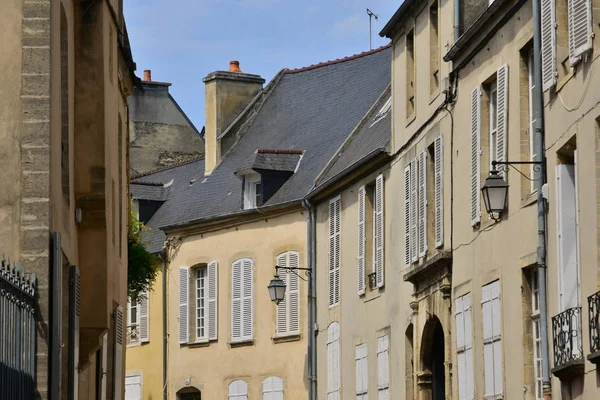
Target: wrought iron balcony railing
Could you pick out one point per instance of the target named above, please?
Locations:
(566, 336)
(594, 324)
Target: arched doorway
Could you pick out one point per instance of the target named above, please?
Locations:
(433, 357)
(189, 393)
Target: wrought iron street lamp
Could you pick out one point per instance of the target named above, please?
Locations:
(277, 285)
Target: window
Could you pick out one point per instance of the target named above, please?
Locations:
(383, 368)
(410, 74)
(568, 233)
(273, 388)
(416, 205)
(253, 192)
(133, 387)
(120, 172)
(492, 346)
(238, 390)
(333, 362)
(371, 235)
(64, 107)
(200, 301)
(288, 310)
(138, 319)
(537, 349)
(464, 347)
(531, 118)
(434, 49)
(362, 373)
(241, 300)
(334, 251)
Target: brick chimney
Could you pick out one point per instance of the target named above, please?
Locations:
(147, 75)
(227, 93)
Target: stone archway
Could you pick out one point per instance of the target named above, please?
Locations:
(432, 378)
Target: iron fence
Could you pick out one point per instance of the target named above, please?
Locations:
(566, 336)
(594, 316)
(17, 333)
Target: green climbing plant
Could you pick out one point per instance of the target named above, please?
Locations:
(142, 265)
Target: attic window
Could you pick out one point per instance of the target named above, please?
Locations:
(253, 193)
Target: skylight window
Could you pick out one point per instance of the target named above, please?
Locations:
(253, 194)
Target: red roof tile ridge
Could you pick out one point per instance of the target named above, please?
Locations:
(338, 60)
(161, 169)
(278, 151)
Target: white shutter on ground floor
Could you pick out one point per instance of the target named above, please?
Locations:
(184, 295)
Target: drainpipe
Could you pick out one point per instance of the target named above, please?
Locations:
(541, 179)
(163, 257)
(457, 4)
(312, 295)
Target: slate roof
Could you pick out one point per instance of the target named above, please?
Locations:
(312, 109)
(271, 160)
(149, 191)
(372, 137)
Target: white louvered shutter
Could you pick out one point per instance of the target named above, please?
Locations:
(475, 198)
(439, 190)
(548, 61)
(213, 308)
(362, 373)
(247, 303)
(144, 307)
(379, 225)
(422, 201)
(407, 208)
(236, 301)
(288, 310)
(334, 251)
(361, 241)
(502, 114)
(119, 375)
(383, 368)
(184, 296)
(580, 28)
(492, 348)
(414, 254)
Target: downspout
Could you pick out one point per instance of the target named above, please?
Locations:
(457, 5)
(312, 295)
(541, 179)
(163, 257)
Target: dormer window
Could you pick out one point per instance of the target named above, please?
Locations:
(253, 192)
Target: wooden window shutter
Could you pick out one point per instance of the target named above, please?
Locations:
(379, 232)
(496, 331)
(213, 306)
(236, 301)
(383, 372)
(464, 345)
(144, 307)
(184, 296)
(548, 61)
(273, 388)
(414, 254)
(362, 373)
(439, 191)
(361, 242)
(118, 373)
(247, 300)
(502, 115)
(333, 361)
(422, 207)
(74, 334)
(492, 346)
(407, 208)
(580, 28)
(475, 198)
(460, 343)
(282, 307)
(293, 293)
(334, 251)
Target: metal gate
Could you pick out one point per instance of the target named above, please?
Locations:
(17, 333)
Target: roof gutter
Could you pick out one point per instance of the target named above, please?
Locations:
(389, 28)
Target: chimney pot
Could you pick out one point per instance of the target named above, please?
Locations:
(147, 75)
(234, 66)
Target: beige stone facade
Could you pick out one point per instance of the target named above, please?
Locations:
(66, 76)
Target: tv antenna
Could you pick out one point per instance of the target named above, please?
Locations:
(371, 15)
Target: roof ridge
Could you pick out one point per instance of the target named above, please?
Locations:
(161, 169)
(337, 60)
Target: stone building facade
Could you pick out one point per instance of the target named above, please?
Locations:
(161, 133)
(67, 71)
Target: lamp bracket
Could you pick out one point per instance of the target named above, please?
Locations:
(504, 166)
(287, 270)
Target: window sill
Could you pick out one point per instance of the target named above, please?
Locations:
(287, 338)
(199, 343)
(241, 343)
(135, 344)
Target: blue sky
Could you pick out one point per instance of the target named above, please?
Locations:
(182, 41)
